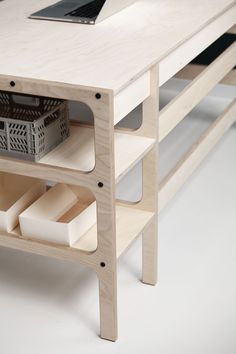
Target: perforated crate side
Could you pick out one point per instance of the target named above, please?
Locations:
(56, 130)
(29, 132)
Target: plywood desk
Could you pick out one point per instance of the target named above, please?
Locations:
(113, 67)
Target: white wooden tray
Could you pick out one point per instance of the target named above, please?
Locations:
(16, 194)
(58, 216)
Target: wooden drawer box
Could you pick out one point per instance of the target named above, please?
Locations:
(58, 216)
(16, 194)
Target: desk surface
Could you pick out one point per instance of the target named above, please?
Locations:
(108, 55)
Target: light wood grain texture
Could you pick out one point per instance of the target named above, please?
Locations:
(188, 164)
(129, 224)
(131, 96)
(109, 55)
(77, 153)
(150, 248)
(119, 61)
(103, 261)
(182, 104)
(187, 51)
(192, 70)
(106, 215)
(149, 200)
(61, 252)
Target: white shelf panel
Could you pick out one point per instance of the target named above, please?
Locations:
(77, 152)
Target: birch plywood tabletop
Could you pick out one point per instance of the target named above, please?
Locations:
(108, 55)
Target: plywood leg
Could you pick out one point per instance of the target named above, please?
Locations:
(150, 182)
(149, 200)
(104, 191)
(150, 254)
(108, 307)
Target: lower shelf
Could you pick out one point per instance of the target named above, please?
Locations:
(130, 223)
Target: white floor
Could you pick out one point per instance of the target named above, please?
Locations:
(48, 306)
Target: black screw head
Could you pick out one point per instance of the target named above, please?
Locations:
(12, 83)
(98, 96)
(100, 184)
(103, 264)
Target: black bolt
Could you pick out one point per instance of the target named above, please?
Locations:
(100, 184)
(98, 96)
(103, 264)
(12, 83)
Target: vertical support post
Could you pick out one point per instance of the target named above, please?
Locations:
(104, 191)
(149, 200)
(149, 254)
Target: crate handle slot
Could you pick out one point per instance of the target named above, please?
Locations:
(24, 100)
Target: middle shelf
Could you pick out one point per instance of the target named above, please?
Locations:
(78, 153)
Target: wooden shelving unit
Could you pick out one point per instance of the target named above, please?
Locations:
(113, 74)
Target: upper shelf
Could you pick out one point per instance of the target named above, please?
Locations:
(77, 153)
(109, 55)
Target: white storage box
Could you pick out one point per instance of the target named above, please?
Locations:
(58, 216)
(16, 194)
